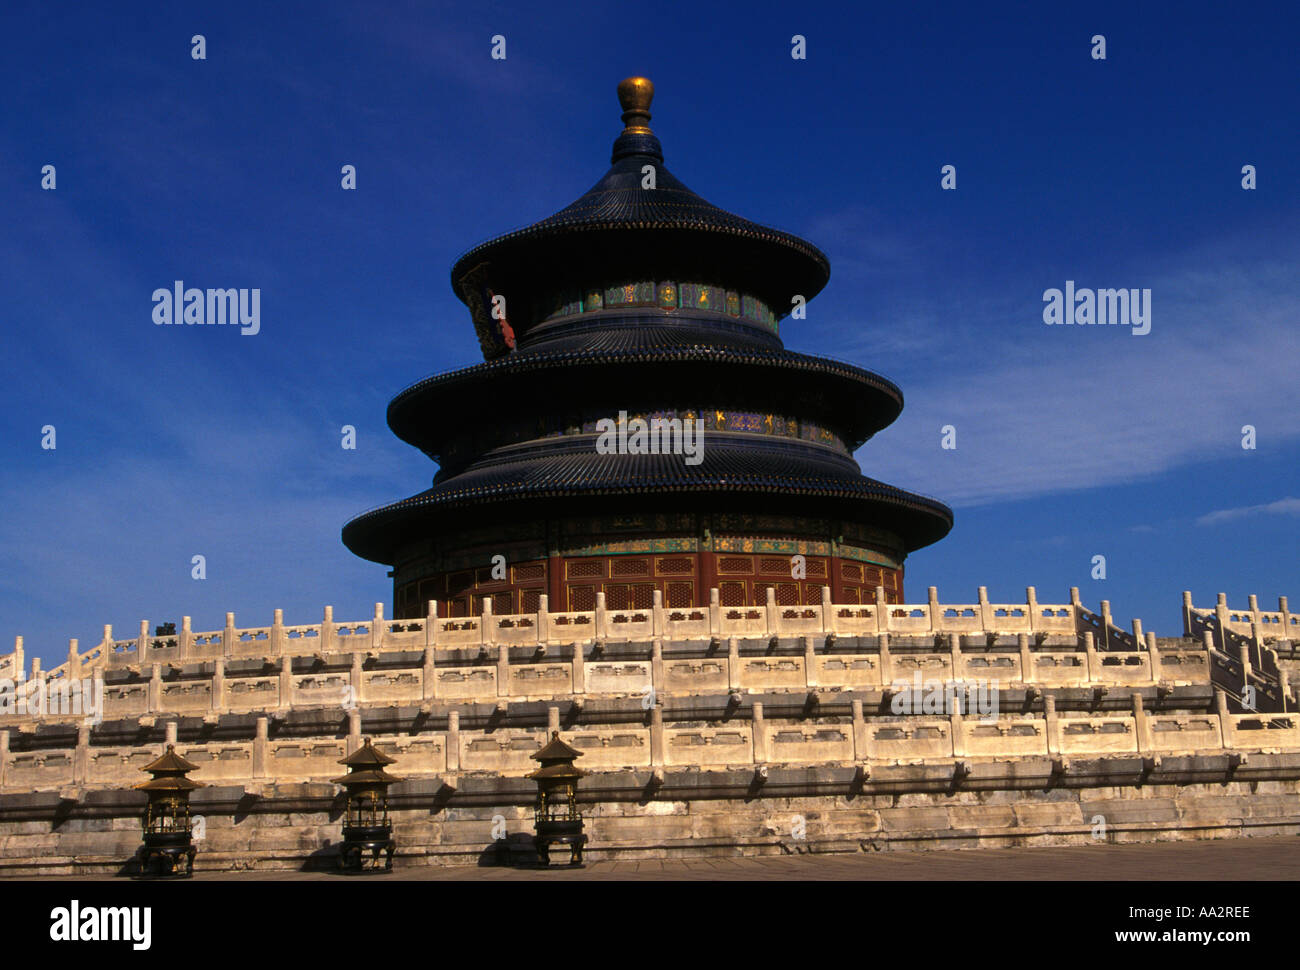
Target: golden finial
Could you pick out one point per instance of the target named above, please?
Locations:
(635, 95)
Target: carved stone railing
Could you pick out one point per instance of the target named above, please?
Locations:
(751, 741)
(1070, 645)
(1244, 660)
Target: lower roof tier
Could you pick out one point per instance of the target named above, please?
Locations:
(731, 474)
(434, 413)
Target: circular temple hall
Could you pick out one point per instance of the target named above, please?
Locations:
(644, 305)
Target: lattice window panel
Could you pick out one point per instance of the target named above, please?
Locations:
(626, 566)
(680, 595)
(733, 594)
(529, 571)
(774, 564)
(849, 595)
(618, 596)
(787, 594)
(503, 604)
(459, 606)
(585, 569)
(643, 596)
(675, 566)
(873, 576)
(735, 564)
(816, 568)
(851, 571)
(581, 599)
(812, 594)
(529, 600)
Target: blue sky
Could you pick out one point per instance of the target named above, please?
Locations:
(1072, 441)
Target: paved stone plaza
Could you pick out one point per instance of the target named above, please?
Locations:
(1227, 860)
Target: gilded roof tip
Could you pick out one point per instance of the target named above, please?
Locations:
(635, 95)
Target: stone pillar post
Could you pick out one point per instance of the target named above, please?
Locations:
(142, 644)
(431, 624)
(217, 697)
(154, 702)
(430, 674)
(453, 741)
(657, 736)
(1106, 623)
(279, 642)
(356, 678)
(1032, 611)
(327, 631)
(169, 732)
(773, 615)
(657, 679)
(378, 628)
(1052, 725)
(861, 735)
(886, 661)
(261, 747)
(936, 614)
(809, 662)
(543, 618)
(1090, 652)
(579, 668)
(715, 612)
(1221, 614)
(760, 733)
(657, 613)
(830, 622)
(733, 663)
(286, 682)
(954, 651)
(1026, 659)
(81, 757)
(4, 757)
(74, 661)
(228, 636)
(601, 618)
(882, 610)
(1289, 630)
(1226, 726)
(1142, 724)
(503, 670)
(956, 724)
(185, 640)
(486, 626)
(986, 611)
(354, 730)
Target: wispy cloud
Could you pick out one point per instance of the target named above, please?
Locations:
(1044, 410)
(1283, 506)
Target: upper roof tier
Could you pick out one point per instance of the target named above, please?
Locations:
(620, 232)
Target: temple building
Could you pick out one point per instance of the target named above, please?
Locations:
(630, 610)
(641, 299)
